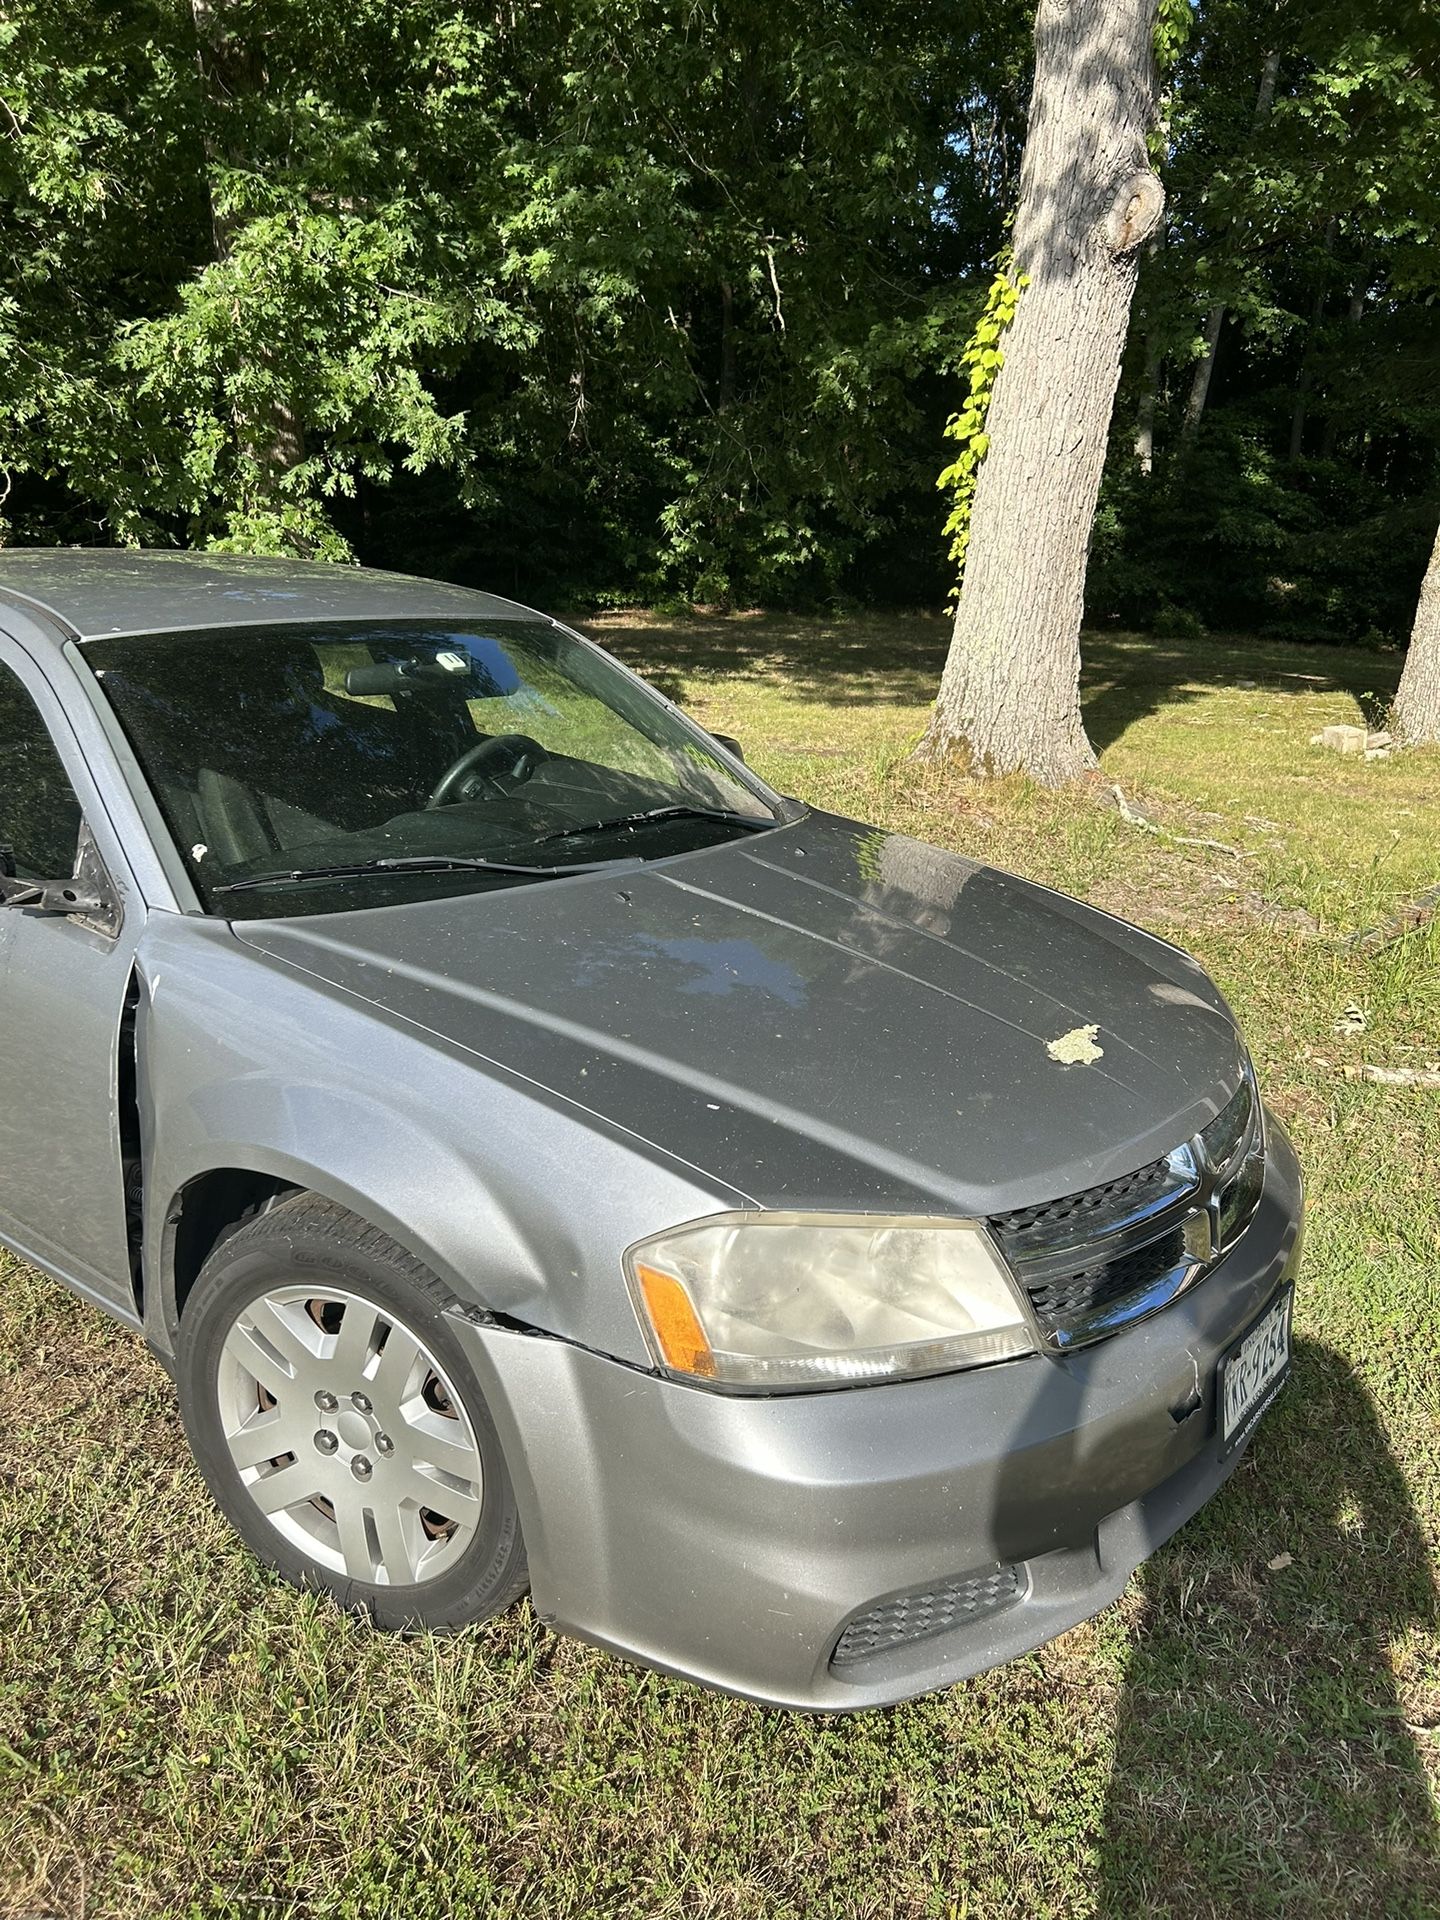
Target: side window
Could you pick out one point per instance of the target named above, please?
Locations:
(39, 813)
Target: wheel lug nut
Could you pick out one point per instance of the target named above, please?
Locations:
(326, 1402)
(383, 1443)
(360, 1402)
(361, 1467)
(326, 1441)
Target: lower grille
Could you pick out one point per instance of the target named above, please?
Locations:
(920, 1616)
(1063, 1303)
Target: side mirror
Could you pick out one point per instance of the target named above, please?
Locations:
(730, 744)
(51, 896)
(87, 896)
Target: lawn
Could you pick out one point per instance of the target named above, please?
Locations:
(1253, 1729)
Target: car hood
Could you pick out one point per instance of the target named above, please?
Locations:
(824, 1014)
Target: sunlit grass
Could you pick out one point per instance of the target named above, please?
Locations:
(1251, 1730)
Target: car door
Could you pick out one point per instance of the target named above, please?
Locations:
(63, 990)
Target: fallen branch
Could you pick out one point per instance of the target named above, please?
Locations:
(1396, 1076)
(1219, 846)
(1424, 907)
(1133, 817)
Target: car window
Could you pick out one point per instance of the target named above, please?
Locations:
(39, 813)
(279, 751)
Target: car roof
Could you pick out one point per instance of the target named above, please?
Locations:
(94, 591)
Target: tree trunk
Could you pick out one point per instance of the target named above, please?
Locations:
(1297, 415)
(1417, 704)
(1305, 380)
(1215, 320)
(1010, 694)
(223, 67)
(726, 398)
(1145, 412)
(1204, 367)
(1354, 315)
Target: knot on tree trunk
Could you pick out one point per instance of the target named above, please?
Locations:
(1134, 212)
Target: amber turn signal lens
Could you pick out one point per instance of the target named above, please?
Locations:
(682, 1338)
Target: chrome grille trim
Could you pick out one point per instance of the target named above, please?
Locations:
(1119, 1208)
(1094, 1261)
(1223, 1141)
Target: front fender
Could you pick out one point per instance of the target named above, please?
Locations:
(520, 1201)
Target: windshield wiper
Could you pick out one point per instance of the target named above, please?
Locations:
(417, 863)
(677, 812)
(441, 863)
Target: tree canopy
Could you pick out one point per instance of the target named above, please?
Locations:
(647, 298)
(1300, 492)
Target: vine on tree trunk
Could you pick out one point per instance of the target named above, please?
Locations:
(982, 357)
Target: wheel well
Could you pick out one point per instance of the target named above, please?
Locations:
(206, 1211)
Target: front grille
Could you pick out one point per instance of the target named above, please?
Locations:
(1093, 1207)
(1081, 1255)
(1086, 1256)
(920, 1616)
(1062, 1304)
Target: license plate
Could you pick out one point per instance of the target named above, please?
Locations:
(1253, 1372)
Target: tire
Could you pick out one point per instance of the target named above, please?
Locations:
(310, 1332)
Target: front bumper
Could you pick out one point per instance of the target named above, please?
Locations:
(732, 1539)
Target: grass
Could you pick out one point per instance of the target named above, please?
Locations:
(1254, 1729)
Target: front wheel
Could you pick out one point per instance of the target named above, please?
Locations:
(340, 1425)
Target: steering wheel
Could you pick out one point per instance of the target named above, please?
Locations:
(502, 761)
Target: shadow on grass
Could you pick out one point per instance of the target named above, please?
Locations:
(857, 660)
(1127, 679)
(897, 659)
(1262, 1763)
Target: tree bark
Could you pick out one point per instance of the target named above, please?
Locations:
(1417, 704)
(1354, 315)
(1010, 694)
(1297, 416)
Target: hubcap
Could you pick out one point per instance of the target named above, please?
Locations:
(389, 1488)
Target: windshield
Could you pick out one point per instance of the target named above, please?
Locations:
(309, 768)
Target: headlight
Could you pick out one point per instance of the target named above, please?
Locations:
(817, 1300)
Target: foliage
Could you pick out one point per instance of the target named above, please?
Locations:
(658, 298)
(981, 359)
(632, 295)
(1174, 24)
(1303, 177)
(1243, 540)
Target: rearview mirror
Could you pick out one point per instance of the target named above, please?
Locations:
(476, 664)
(730, 744)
